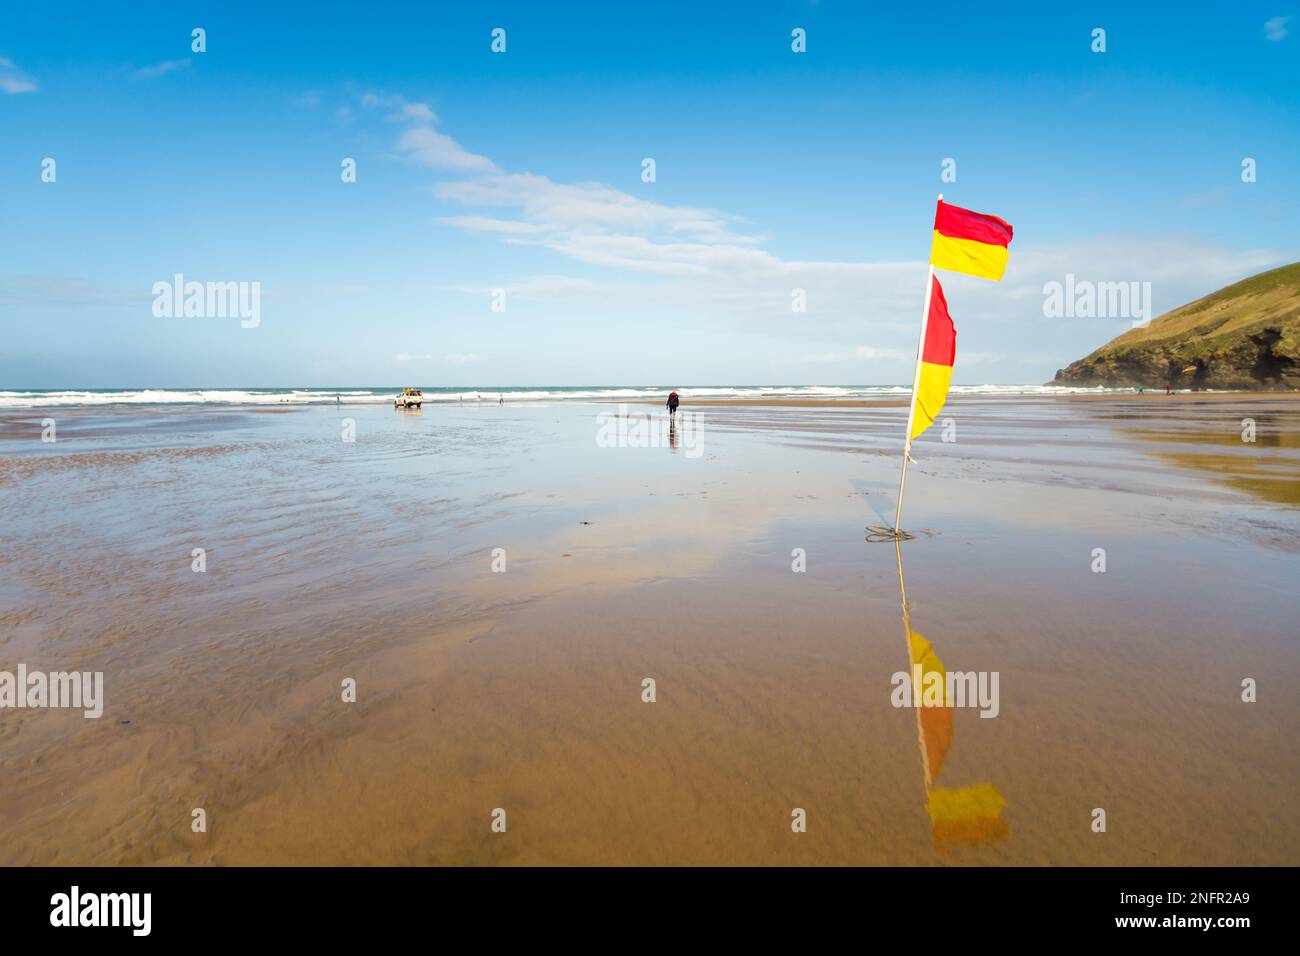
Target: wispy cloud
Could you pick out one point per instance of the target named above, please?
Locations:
(863, 353)
(601, 225)
(14, 80)
(420, 143)
(679, 260)
(61, 291)
(488, 224)
(457, 358)
(1275, 29)
(1205, 198)
(399, 108)
(160, 69)
(426, 146)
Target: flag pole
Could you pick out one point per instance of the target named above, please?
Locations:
(911, 664)
(916, 384)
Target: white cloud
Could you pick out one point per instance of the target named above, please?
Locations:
(160, 69)
(409, 357)
(418, 112)
(1275, 29)
(871, 354)
(711, 261)
(14, 80)
(863, 353)
(399, 108)
(488, 224)
(595, 222)
(59, 291)
(553, 286)
(420, 143)
(426, 146)
(688, 263)
(1001, 326)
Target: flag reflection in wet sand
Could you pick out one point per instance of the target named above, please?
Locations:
(961, 816)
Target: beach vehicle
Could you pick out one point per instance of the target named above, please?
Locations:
(410, 398)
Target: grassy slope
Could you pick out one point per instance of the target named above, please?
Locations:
(1214, 331)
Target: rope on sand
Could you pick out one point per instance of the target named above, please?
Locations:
(878, 533)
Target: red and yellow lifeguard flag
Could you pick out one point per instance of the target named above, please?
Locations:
(969, 242)
(938, 352)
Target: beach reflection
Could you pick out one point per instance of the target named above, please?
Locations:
(372, 560)
(1249, 448)
(962, 816)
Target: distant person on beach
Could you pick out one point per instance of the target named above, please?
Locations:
(673, 402)
(501, 400)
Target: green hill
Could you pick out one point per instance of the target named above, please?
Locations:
(1245, 336)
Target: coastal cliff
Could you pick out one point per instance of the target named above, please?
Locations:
(1245, 336)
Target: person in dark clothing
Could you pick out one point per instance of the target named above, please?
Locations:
(673, 402)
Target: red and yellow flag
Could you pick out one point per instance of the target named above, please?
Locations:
(938, 352)
(969, 242)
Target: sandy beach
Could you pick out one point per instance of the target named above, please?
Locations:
(513, 679)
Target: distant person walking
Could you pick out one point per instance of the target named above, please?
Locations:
(673, 402)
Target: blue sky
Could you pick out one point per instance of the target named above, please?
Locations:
(522, 171)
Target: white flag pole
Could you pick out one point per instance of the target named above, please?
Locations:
(916, 385)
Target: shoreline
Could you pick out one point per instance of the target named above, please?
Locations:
(902, 401)
(898, 401)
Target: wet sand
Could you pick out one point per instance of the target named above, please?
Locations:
(522, 690)
(902, 400)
